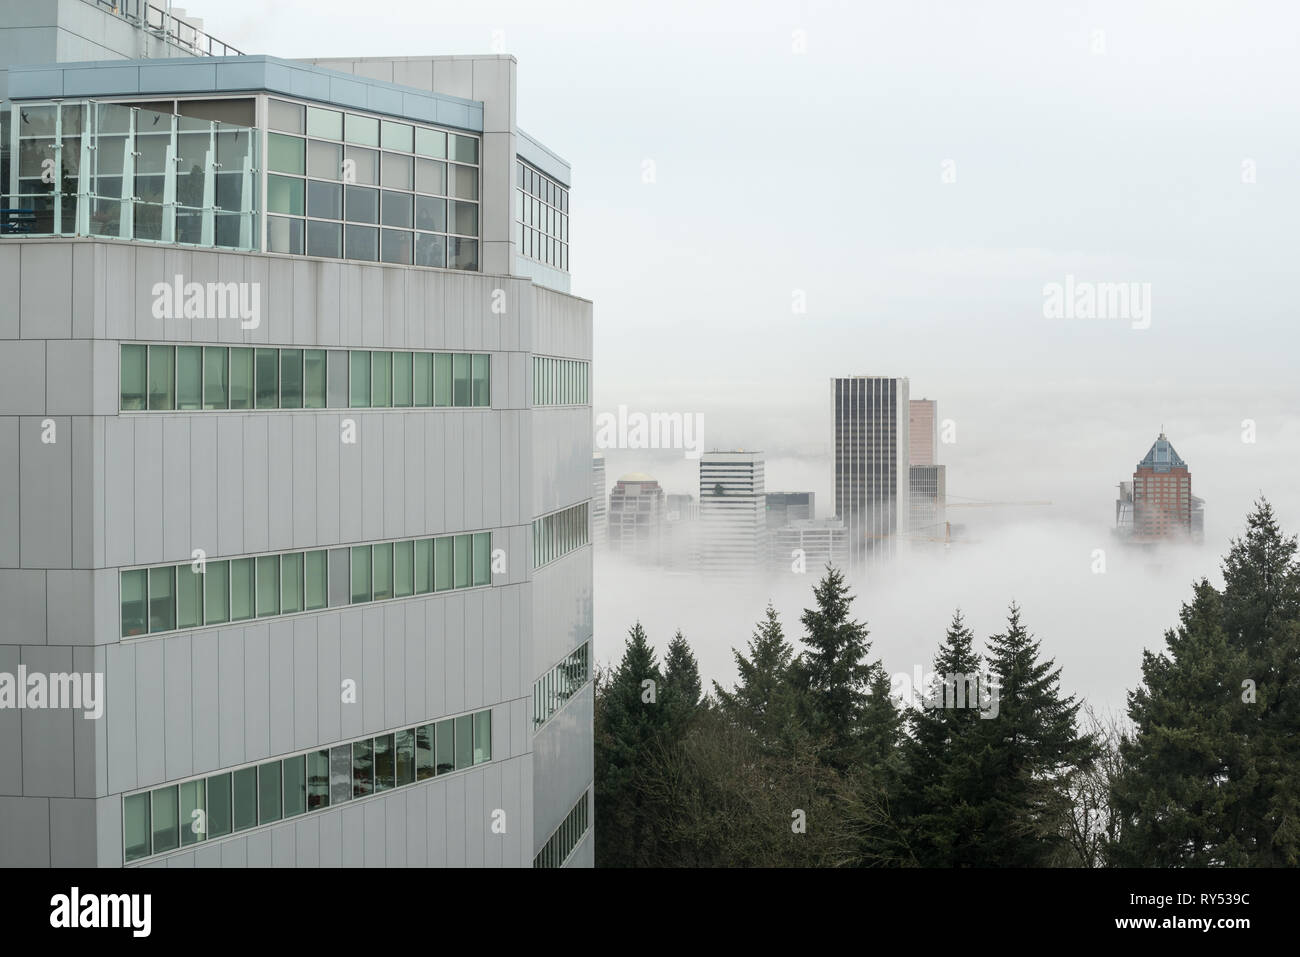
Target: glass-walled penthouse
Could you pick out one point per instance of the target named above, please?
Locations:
(84, 168)
(337, 183)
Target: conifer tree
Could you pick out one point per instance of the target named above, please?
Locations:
(1211, 773)
(834, 674)
(1030, 752)
(682, 686)
(763, 701)
(629, 726)
(938, 791)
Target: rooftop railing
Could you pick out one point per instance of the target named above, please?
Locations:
(85, 168)
(161, 23)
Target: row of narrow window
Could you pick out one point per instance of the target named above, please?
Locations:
(179, 815)
(560, 381)
(566, 837)
(553, 690)
(190, 595)
(158, 378)
(558, 534)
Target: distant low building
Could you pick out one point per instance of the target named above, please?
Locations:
(636, 517)
(785, 507)
(928, 488)
(813, 542)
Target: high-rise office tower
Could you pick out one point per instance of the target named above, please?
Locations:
(295, 457)
(733, 540)
(599, 500)
(636, 518)
(811, 542)
(870, 415)
(785, 507)
(1163, 503)
(923, 426)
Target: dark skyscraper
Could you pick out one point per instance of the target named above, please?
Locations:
(870, 415)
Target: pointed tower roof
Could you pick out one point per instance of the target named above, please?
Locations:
(1162, 457)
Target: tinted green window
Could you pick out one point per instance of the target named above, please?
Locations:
(216, 378)
(133, 377)
(464, 741)
(363, 130)
(135, 826)
(442, 562)
(460, 375)
(424, 763)
(291, 378)
(326, 123)
(405, 757)
(483, 558)
(189, 597)
(318, 780)
(193, 812)
(401, 379)
(241, 589)
(216, 593)
(424, 566)
(162, 377)
(135, 604)
(482, 380)
(381, 379)
(360, 573)
(268, 585)
(422, 379)
(291, 583)
(341, 774)
(268, 379)
(403, 569)
(269, 792)
(315, 576)
(385, 759)
(462, 577)
(244, 785)
(442, 379)
(313, 379)
(189, 377)
(220, 817)
(430, 142)
(285, 154)
(295, 785)
(463, 149)
(162, 599)
(383, 564)
(363, 768)
(482, 737)
(446, 747)
(241, 378)
(359, 379)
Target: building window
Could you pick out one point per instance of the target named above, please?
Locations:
(541, 217)
(174, 597)
(572, 829)
(220, 378)
(560, 381)
(398, 175)
(179, 815)
(554, 689)
(559, 533)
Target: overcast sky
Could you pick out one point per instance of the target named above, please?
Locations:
(805, 147)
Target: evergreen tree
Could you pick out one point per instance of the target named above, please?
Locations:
(1031, 750)
(764, 699)
(1211, 774)
(834, 674)
(682, 687)
(629, 726)
(939, 794)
